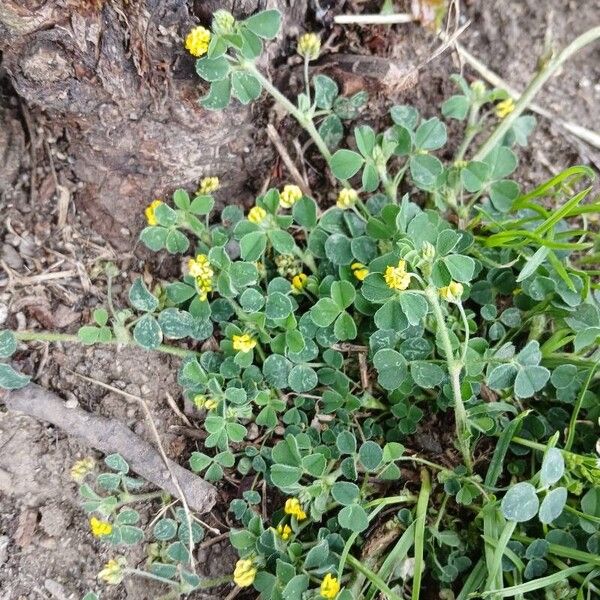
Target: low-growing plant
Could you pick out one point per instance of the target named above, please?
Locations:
(434, 296)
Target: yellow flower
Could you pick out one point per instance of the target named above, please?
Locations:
(197, 41)
(330, 586)
(243, 343)
(201, 401)
(200, 267)
(347, 198)
(309, 45)
(452, 292)
(294, 508)
(81, 468)
(504, 108)
(113, 571)
(284, 531)
(100, 528)
(460, 164)
(201, 270)
(299, 282)
(290, 195)
(257, 215)
(149, 212)
(396, 277)
(208, 185)
(359, 271)
(244, 573)
(203, 287)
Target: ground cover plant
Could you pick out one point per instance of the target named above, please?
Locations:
(432, 294)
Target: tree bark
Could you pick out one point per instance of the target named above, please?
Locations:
(115, 74)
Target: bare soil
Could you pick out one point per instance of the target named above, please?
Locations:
(52, 277)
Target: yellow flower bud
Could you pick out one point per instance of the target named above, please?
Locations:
(396, 277)
(359, 271)
(330, 586)
(428, 251)
(257, 215)
(290, 195)
(197, 41)
(504, 108)
(243, 343)
(347, 198)
(81, 468)
(223, 22)
(113, 571)
(244, 573)
(309, 46)
(149, 212)
(478, 88)
(452, 292)
(284, 532)
(208, 185)
(100, 528)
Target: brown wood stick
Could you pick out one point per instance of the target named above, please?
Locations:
(109, 435)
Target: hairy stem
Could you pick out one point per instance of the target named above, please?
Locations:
(534, 87)
(47, 336)
(305, 121)
(455, 366)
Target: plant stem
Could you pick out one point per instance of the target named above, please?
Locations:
(471, 131)
(455, 366)
(534, 87)
(420, 517)
(46, 336)
(302, 119)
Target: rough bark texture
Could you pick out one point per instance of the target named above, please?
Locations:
(109, 435)
(115, 73)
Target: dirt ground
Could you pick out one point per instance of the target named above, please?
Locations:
(52, 278)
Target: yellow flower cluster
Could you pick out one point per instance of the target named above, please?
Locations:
(284, 532)
(81, 468)
(504, 108)
(243, 343)
(201, 401)
(113, 571)
(330, 586)
(299, 282)
(199, 268)
(452, 292)
(208, 185)
(309, 46)
(359, 271)
(289, 195)
(396, 277)
(244, 573)
(100, 528)
(294, 508)
(197, 41)
(347, 198)
(257, 215)
(150, 212)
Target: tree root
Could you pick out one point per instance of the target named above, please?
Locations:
(109, 435)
